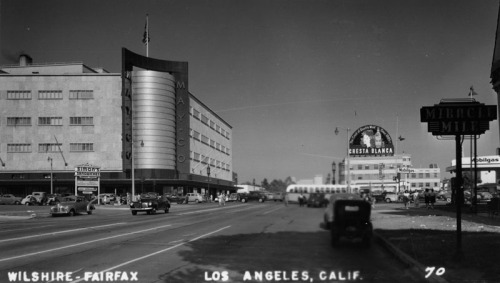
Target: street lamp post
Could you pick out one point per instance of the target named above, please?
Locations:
(348, 178)
(133, 169)
(51, 184)
(208, 174)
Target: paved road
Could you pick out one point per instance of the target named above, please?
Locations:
(192, 243)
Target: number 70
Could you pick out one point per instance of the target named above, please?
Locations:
(440, 271)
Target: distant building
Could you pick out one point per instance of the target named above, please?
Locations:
(71, 114)
(373, 163)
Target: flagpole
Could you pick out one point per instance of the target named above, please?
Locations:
(147, 35)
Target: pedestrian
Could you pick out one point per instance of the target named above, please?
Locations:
(286, 199)
(301, 200)
(416, 199)
(406, 199)
(432, 197)
(427, 198)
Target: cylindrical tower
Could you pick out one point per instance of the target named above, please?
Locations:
(154, 120)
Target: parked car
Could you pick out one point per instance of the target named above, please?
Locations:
(10, 199)
(194, 197)
(233, 197)
(41, 197)
(253, 195)
(278, 197)
(150, 203)
(391, 197)
(106, 198)
(328, 215)
(72, 205)
(176, 198)
(29, 200)
(53, 199)
(317, 200)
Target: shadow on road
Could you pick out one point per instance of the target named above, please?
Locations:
(308, 255)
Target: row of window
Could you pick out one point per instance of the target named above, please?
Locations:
(49, 94)
(421, 185)
(209, 161)
(50, 121)
(205, 120)
(390, 176)
(204, 139)
(48, 147)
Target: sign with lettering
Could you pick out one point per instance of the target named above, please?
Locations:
(458, 118)
(371, 140)
(87, 171)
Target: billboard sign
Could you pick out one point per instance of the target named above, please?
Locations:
(371, 140)
(458, 118)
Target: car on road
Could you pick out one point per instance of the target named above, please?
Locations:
(53, 199)
(41, 197)
(328, 215)
(317, 200)
(106, 198)
(10, 199)
(176, 198)
(29, 200)
(150, 203)
(194, 197)
(253, 195)
(72, 205)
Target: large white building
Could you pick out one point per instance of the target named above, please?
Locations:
(372, 162)
(55, 117)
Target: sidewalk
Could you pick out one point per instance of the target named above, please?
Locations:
(423, 238)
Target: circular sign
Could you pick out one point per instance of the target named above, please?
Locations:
(371, 140)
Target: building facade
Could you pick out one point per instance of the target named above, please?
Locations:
(55, 117)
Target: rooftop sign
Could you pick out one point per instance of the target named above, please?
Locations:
(371, 140)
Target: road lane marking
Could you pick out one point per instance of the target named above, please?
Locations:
(155, 253)
(83, 243)
(203, 210)
(60, 232)
(273, 210)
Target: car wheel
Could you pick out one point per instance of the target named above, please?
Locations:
(197, 201)
(89, 212)
(166, 210)
(387, 200)
(134, 212)
(448, 200)
(27, 204)
(153, 211)
(17, 203)
(71, 213)
(243, 200)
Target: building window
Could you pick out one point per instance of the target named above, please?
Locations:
(360, 167)
(375, 166)
(49, 147)
(50, 121)
(196, 114)
(196, 156)
(81, 121)
(19, 94)
(81, 94)
(212, 143)
(18, 147)
(204, 119)
(50, 94)
(196, 135)
(217, 128)
(81, 147)
(18, 121)
(204, 139)
(212, 125)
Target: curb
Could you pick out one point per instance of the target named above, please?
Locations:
(407, 260)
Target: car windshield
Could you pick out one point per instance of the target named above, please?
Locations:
(149, 195)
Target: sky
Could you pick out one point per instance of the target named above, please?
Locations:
(286, 73)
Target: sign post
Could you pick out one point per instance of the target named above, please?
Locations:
(87, 179)
(458, 118)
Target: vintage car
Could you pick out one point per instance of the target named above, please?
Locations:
(10, 199)
(253, 195)
(72, 205)
(29, 200)
(194, 197)
(317, 200)
(150, 203)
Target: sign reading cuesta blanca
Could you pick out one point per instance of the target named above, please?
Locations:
(458, 118)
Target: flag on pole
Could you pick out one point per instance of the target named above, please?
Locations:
(146, 38)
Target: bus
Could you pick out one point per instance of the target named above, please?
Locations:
(294, 191)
